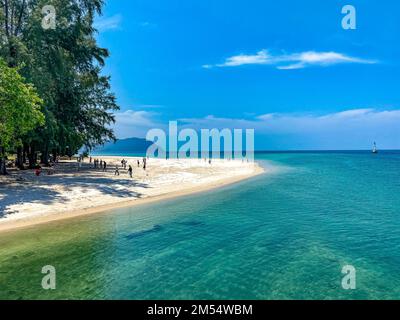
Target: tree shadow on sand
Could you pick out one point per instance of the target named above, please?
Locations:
(39, 189)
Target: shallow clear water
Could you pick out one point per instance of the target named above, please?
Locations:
(284, 235)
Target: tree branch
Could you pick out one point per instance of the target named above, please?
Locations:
(19, 23)
(6, 18)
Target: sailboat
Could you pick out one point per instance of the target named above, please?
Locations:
(374, 149)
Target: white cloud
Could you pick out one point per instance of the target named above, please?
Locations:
(290, 61)
(350, 129)
(132, 123)
(310, 58)
(262, 57)
(108, 23)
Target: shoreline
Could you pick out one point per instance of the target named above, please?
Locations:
(34, 220)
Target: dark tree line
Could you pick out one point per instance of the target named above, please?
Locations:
(64, 66)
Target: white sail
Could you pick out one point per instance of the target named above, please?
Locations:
(374, 149)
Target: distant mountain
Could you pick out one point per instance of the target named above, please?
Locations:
(124, 146)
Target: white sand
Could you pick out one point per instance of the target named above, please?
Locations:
(69, 193)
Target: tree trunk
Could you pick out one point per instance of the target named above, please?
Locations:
(20, 162)
(25, 151)
(45, 156)
(3, 167)
(55, 154)
(32, 157)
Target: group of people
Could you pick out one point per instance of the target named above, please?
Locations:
(102, 165)
(99, 164)
(124, 164)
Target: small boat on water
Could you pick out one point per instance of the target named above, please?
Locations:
(374, 149)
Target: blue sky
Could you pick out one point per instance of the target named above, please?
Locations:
(286, 68)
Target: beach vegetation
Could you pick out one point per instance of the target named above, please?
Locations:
(20, 109)
(63, 63)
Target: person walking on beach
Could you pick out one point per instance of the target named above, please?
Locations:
(138, 163)
(104, 166)
(130, 171)
(144, 163)
(116, 171)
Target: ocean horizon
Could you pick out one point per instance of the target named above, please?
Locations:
(256, 152)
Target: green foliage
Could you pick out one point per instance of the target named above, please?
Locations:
(64, 65)
(19, 106)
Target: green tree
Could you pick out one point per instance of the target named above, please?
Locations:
(64, 64)
(19, 109)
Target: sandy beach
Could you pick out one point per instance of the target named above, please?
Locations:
(27, 199)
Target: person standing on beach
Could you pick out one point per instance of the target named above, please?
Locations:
(116, 171)
(130, 171)
(144, 163)
(138, 163)
(104, 166)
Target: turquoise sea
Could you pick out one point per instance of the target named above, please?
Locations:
(283, 235)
